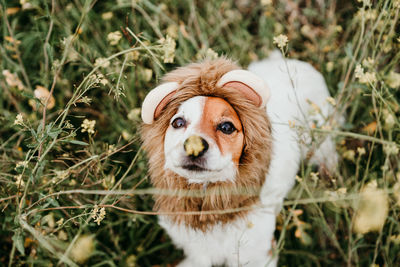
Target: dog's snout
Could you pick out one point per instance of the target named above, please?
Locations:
(195, 146)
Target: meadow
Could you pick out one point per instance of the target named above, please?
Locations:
(74, 189)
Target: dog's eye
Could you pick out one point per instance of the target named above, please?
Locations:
(178, 123)
(226, 127)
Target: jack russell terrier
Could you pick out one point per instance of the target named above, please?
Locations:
(223, 155)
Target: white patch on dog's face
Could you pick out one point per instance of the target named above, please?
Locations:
(214, 123)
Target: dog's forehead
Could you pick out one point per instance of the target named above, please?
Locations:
(194, 107)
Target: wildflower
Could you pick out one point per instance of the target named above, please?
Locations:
(26, 5)
(360, 151)
(172, 31)
(314, 176)
(126, 135)
(359, 71)
(21, 164)
(60, 222)
(108, 181)
(169, 45)
(390, 120)
(111, 149)
(299, 179)
(266, 2)
(131, 261)
(102, 79)
(147, 74)
(18, 181)
(329, 66)
(42, 94)
(82, 248)
(134, 114)
(331, 101)
(367, 77)
(88, 126)
(60, 175)
(62, 235)
(349, 155)
(19, 120)
(315, 109)
(371, 210)
(49, 219)
(292, 124)
(134, 55)
(368, 62)
(98, 214)
(370, 128)
(85, 99)
(107, 15)
(393, 79)
(12, 80)
(281, 40)
(338, 28)
(114, 37)
(342, 190)
(395, 239)
(102, 62)
(391, 149)
(15, 43)
(209, 54)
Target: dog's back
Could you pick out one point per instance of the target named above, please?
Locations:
(298, 101)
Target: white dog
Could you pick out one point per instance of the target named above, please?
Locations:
(223, 165)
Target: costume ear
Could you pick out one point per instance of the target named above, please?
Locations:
(156, 100)
(250, 85)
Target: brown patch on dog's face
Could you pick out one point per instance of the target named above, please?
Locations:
(221, 122)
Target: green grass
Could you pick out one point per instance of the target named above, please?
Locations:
(67, 172)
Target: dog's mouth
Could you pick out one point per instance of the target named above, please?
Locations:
(194, 167)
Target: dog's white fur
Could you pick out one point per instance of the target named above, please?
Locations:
(221, 168)
(247, 242)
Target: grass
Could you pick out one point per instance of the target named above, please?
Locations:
(53, 174)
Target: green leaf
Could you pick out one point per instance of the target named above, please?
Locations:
(76, 142)
(18, 239)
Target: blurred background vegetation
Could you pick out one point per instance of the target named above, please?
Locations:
(74, 188)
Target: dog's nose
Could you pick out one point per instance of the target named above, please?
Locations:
(195, 146)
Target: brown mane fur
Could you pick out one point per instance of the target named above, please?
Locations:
(200, 79)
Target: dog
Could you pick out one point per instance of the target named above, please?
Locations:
(223, 155)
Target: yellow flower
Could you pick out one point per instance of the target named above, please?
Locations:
(371, 210)
(367, 77)
(391, 149)
(102, 62)
(393, 79)
(331, 101)
(18, 181)
(147, 74)
(42, 94)
(349, 155)
(12, 80)
(98, 214)
(361, 151)
(114, 37)
(19, 120)
(88, 126)
(329, 66)
(169, 45)
(281, 40)
(266, 2)
(107, 15)
(82, 248)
